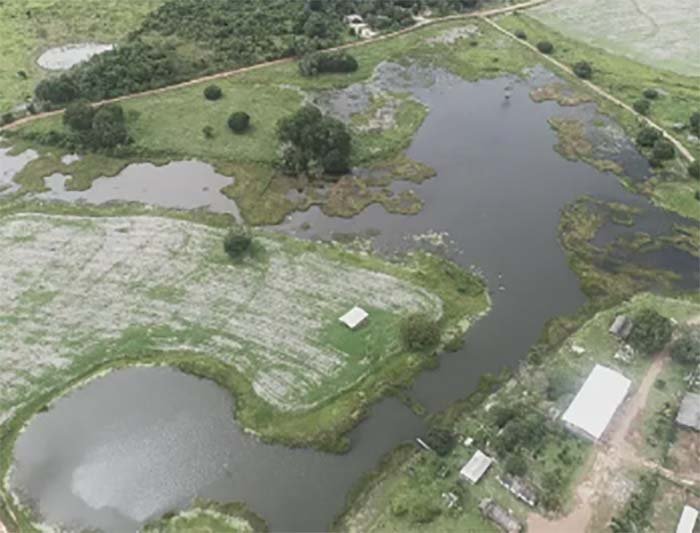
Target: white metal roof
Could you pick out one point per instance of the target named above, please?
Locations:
(476, 467)
(597, 400)
(354, 317)
(688, 518)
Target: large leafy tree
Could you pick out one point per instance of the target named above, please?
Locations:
(651, 331)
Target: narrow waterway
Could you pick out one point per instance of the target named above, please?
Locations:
(137, 443)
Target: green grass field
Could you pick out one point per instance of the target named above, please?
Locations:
(28, 27)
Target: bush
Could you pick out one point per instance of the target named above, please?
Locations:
(442, 441)
(516, 465)
(694, 170)
(641, 106)
(312, 143)
(208, 132)
(78, 116)
(520, 34)
(213, 92)
(651, 332)
(694, 122)
(7, 118)
(559, 383)
(663, 150)
(651, 94)
(686, 349)
(545, 47)
(419, 332)
(239, 122)
(583, 70)
(109, 127)
(237, 242)
(647, 136)
(329, 62)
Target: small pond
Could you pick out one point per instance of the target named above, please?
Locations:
(64, 57)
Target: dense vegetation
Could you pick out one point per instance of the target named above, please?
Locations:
(186, 38)
(327, 62)
(419, 332)
(313, 143)
(651, 331)
(635, 515)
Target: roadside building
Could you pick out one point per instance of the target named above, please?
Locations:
(687, 521)
(519, 488)
(490, 509)
(689, 413)
(477, 466)
(621, 327)
(354, 318)
(596, 402)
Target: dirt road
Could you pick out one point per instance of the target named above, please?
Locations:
(601, 486)
(596, 89)
(225, 74)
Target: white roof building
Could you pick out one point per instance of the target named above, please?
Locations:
(688, 518)
(354, 318)
(477, 466)
(597, 401)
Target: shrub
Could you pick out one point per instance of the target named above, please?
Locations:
(213, 92)
(109, 127)
(208, 132)
(686, 349)
(239, 122)
(694, 170)
(78, 116)
(559, 383)
(237, 242)
(663, 150)
(442, 441)
(312, 143)
(516, 465)
(419, 332)
(651, 332)
(694, 122)
(647, 136)
(7, 118)
(545, 47)
(330, 62)
(651, 94)
(583, 70)
(641, 106)
(520, 34)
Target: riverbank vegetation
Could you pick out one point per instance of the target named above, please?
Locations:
(210, 516)
(514, 420)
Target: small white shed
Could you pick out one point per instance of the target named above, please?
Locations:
(354, 318)
(596, 402)
(689, 516)
(477, 466)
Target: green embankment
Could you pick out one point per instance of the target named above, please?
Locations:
(210, 517)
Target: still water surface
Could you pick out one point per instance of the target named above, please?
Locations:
(141, 441)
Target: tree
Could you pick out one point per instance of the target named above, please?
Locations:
(641, 106)
(686, 349)
(651, 94)
(333, 62)
(694, 122)
(239, 122)
(545, 47)
(516, 465)
(109, 127)
(647, 136)
(559, 383)
(520, 34)
(58, 90)
(651, 332)
(208, 132)
(663, 150)
(7, 118)
(419, 332)
(694, 170)
(213, 92)
(312, 143)
(238, 241)
(583, 70)
(78, 116)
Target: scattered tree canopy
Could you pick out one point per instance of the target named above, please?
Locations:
(239, 122)
(651, 332)
(238, 241)
(313, 143)
(651, 94)
(686, 349)
(663, 150)
(641, 106)
(78, 116)
(647, 136)
(419, 332)
(694, 122)
(545, 47)
(694, 170)
(520, 34)
(583, 70)
(330, 62)
(213, 92)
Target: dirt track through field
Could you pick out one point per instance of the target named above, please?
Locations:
(204, 79)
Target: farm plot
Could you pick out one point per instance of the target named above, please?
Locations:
(660, 33)
(77, 292)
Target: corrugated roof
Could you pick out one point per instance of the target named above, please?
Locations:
(476, 467)
(597, 400)
(689, 413)
(688, 518)
(354, 317)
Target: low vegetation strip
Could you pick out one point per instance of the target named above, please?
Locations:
(79, 292)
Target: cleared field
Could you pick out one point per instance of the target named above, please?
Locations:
(79, 292)
(660, 33)
(27, 27)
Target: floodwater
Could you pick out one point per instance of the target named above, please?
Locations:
(64, 57)
(136, 443)
(11, 165)
(182, 184)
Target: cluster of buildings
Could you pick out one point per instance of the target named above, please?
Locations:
(359, 27)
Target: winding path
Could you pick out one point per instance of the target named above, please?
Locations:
(596, 89)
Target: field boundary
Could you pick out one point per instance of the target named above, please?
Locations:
(595, 88)
(420, 24)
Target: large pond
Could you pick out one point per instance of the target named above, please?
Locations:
(136, 443)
